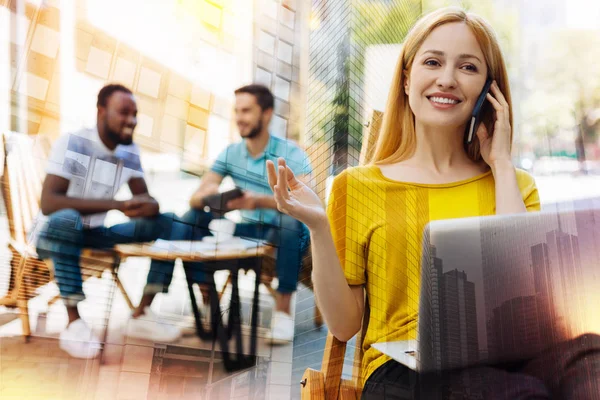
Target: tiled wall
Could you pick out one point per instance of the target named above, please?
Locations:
(33, 43)
(166, 53)
(280, 41)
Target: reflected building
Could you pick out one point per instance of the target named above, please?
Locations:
(508, 275)
(450, 322)
(534, 321)
(437, 273)
(459, 344)
(453, 315)
(515, 326)
(552, 327)
(532, 290)
(563, 249)
(529, 292)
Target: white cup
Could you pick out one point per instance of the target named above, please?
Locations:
(222, 229)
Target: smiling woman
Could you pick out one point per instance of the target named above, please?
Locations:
(371, 235)
(449, 58)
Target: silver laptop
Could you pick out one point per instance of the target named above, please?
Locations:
(500, 289)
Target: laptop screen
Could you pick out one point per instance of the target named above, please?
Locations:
(503, 288)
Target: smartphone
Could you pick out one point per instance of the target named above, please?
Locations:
(218, 202)
(476, 115)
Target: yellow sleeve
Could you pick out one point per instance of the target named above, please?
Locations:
(529, 190)
(346, 232)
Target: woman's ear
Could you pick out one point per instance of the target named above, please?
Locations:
(406, 82)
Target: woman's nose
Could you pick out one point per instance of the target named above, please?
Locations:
(447, 78)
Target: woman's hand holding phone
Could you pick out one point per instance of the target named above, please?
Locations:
(294, 198)
(495, 148)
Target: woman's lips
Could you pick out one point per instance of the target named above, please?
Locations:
(443, 103)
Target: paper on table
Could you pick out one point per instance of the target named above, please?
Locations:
(167, 245)
(186, 246)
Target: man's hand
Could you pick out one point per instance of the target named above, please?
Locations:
(140, 207)
(209, 185)
(246, 202)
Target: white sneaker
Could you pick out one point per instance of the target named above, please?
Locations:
(79, 341)
(147, 326)
(282, 328)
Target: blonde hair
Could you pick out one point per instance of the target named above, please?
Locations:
(397, 139)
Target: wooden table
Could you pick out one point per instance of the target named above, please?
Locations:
(214, 260)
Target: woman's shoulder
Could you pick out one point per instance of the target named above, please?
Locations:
(354, 180)
(359, 173)
(524, 178)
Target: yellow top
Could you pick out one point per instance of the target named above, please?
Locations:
(377, 226)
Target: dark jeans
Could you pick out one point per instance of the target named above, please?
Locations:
(63, 236)
(392, 381)
(567, 371)
(288, 235)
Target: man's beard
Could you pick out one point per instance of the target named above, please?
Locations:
(115, 136)
(255, 131)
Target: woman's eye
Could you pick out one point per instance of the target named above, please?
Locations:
(432, 62)
(470, 67)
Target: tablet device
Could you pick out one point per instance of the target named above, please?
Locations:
(218, 202)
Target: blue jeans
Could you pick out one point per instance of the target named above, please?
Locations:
(288, 235)
(63, 237)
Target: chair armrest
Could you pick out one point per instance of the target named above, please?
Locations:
(349, 390)
(333, 363)
(312, 385)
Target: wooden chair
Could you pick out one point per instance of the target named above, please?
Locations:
(328, 383)
(22, 179)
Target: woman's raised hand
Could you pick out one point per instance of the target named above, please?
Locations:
(293, 197)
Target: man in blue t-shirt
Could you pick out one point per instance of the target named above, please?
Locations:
(245, 163)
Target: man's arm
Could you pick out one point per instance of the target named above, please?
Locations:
(208, 185)
(54, 198)
(139, 188)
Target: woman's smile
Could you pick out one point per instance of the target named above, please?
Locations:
(443, 101)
